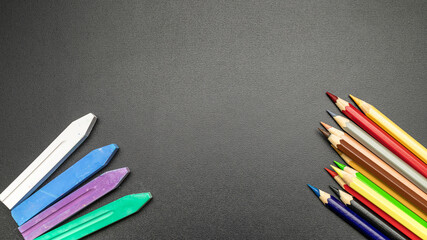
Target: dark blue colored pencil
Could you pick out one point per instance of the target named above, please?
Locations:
(361, 210)
(347, 215)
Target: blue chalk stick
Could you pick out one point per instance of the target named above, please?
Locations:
(64, 183)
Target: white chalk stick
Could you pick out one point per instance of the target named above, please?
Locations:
(48, 161)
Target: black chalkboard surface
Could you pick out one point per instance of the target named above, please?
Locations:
(215, 105)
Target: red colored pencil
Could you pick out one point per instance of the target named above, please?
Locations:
(379, 134)
(372, 206)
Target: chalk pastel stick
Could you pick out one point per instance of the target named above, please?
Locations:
(64, 183)
(99, 218)
(73, 203)
(48, 161)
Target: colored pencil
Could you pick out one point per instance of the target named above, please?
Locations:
(348, 215)
(391, 128)
(379, 134)
(73, 203)
(64, 183)
(383, 203)
(382, 152)
(377, 167)
(381, 185)
(48, 161)
(372, 206)
(366, 214)
(380, 191)
(99, 218)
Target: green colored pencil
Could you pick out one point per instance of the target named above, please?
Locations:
(383, 193)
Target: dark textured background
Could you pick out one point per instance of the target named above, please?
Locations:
(214, 104)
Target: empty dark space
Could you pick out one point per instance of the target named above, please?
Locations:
(215, 104)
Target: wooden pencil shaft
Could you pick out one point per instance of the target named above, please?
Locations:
(393, 180)
(384, 190)
(375, 220)
(383, 137)
(386, 155)
(394, 130)
(358, 150)
(374, 208)
(385, 205)
(381, 213)
(398, 201)
(350, 217)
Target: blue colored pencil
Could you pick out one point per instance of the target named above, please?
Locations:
(347, 215)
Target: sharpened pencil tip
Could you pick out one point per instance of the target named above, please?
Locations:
(325, 133)
(332, 97)
(335, 190)
(356, 100)
(332, 173)
(327, 126)
(340, 165)
(332, 114)
(315, 190)
(337, 170)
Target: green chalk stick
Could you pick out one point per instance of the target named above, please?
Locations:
(99, 218)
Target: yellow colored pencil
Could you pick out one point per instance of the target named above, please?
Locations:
(380, 184)
(383, 204)
(391, 128)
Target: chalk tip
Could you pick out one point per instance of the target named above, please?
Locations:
(91, 115)
(120, 171)
(332, 114)
(315, 190)
(137, 200)
(332, 173)
(340, 165)
(83, 126)
(144, 197)
(88, 118)
(103, 155)
(325, 125)
(116, 176)
(325, 133)
(110, 148)
(332, 97)
(335, 190)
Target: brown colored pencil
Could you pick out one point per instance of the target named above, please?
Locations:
(377, 167)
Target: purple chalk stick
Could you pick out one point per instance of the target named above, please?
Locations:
(73, 203)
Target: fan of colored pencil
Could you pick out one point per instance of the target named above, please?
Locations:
(387, 185)
(378, 168)
(379, 134)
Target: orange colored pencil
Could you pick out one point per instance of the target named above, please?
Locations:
(377, 167)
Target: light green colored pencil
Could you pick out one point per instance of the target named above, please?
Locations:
(381, 192)
(382, 152)
(382, 203)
